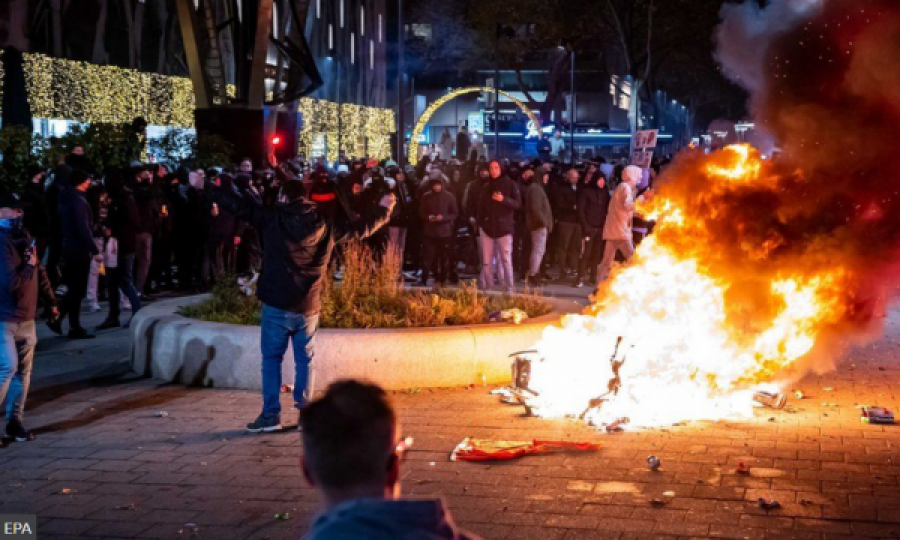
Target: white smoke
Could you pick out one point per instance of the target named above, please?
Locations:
(746, 32)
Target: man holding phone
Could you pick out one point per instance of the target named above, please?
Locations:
(438, 209)
(22, 277)
(497, 203)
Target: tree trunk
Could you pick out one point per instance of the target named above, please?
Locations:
(56, 7)
(18, 22)
(99, 55)
(634, 109)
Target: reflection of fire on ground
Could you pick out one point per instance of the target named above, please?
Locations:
(757, 270)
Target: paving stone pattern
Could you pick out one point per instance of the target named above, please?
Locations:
(105, 466)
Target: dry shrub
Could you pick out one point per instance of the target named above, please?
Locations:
(371, 295)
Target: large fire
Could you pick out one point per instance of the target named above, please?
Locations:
(683, 331)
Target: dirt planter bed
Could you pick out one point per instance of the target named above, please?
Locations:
(173, 348)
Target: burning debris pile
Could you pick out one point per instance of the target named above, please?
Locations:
(758, 270)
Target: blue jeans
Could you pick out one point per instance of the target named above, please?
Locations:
(279, 327)
(17, 342)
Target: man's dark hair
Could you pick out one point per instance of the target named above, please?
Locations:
(293, 190)
(348, 435)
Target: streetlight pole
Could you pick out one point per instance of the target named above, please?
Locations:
(572, 106)
(400, 89)
(497, 94)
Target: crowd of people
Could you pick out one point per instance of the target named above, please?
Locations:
(125, 235)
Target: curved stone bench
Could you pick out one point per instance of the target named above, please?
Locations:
(173, 348)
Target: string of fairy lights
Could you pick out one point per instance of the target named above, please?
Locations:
(89, 93)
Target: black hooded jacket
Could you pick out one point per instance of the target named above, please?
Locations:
(298, 243)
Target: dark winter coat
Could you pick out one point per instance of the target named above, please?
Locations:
(440, 203)
(593, 204)
(76, 222)
(20, 283)
(565, 203)
(37, 218)
(124, 220)
(298, 244)
(497, 219)
(148, 208)
(538, 214)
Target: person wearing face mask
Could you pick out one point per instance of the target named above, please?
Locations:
(78, 248)
(399, 220)
(496, 206)
(148, 220)
(22, 280)
(438, 211)
(593, 204)
(298, 246)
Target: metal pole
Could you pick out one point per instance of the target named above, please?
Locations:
(497, 98)
(572, 108)
(401, 102)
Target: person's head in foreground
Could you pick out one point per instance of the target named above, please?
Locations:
(352, 453)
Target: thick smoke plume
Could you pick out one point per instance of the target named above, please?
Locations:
(830, 205)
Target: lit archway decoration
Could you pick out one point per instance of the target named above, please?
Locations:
(413, 153)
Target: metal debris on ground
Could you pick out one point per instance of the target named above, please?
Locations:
(773, 400)
(283, 517)
(768, 504)
(876, 415)
(653, 462)
(161, 414)
(471, 449)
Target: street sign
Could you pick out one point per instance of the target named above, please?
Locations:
(645, 139)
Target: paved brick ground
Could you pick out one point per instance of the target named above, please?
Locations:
(105, 466)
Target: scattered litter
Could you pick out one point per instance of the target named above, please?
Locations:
(653, 462)
(773, 400)
(161, 414)
(876, 415)
(431, 464)
(768, 504)
(799, 394)
(828, 389)
(486, 450)
(68, 491)
(131, 506)
(287, 388)
(742, 468)
(415, 390)
(616, 425)
(658, 502)
(283, 517)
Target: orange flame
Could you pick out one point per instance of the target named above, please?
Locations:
(701, 328)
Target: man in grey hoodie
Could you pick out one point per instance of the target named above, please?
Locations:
(352, 451)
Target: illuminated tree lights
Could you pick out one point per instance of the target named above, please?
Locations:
(413, 154)
(82, 92)
(356, 129)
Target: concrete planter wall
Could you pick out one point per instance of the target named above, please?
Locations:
(174, 348)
